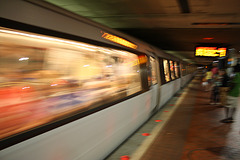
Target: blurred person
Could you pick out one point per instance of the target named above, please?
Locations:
(232, 96)
(223, 87)
(229, 71)
(215, 93)
(204, 84)
(208, 79)
(214, 70)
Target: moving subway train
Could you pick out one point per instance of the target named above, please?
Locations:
(73, 89)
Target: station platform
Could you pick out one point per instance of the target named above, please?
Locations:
(186, 128)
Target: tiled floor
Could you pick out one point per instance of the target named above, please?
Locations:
(208, 139)
(190, 130)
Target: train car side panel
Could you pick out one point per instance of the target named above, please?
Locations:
(92, 137)
(168, 90)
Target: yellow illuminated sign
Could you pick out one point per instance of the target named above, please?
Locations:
(210, 52)
(222, 52)
(118, 40)
(140, 60)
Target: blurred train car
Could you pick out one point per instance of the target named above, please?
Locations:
(71, 88)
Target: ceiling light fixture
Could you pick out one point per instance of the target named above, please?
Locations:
(208, 38)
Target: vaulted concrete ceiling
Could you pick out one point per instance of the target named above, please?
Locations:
(175, 26)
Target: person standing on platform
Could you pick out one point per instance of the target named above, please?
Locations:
(215, 93)
(223, 87)
(208, 79)
(214, 70)
(232, 98)
(214, 99)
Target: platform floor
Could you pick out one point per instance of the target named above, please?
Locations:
(186, 128)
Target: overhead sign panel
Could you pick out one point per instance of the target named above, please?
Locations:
(210, 51)
(118, 40)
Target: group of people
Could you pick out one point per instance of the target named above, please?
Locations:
(224, 85)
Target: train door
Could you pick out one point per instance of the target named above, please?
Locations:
(153, 82)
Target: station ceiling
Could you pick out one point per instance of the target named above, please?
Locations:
(175, 26)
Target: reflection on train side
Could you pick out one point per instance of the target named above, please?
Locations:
(43, 79)
(166, 70)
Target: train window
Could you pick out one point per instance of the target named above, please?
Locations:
(166, 70)
(154, 70)
(176, 68)
(43, 79)
(149, 72)
(172, 70)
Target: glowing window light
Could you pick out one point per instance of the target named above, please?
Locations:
(25, 87)
(107, 51)
(118, 40)
(140, 60)
(123, 53)
(85, 48)
(79, 45)
(23, 59)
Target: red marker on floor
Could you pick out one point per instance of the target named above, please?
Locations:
(171, 105)
(145, 134)
(125, 157)
(158, 120)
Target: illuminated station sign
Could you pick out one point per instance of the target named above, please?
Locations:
(210, 52)
(118, 40)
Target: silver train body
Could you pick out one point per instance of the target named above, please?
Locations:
(138, 78)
